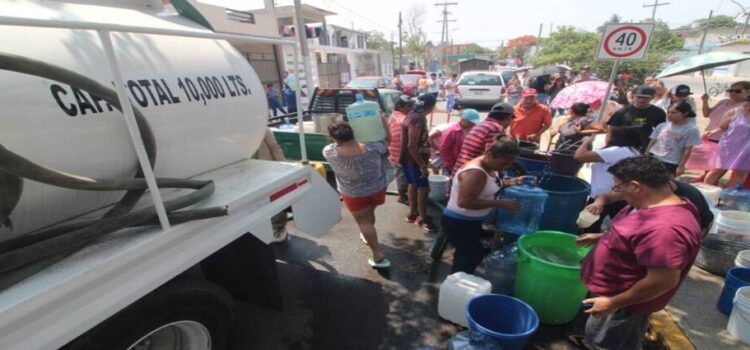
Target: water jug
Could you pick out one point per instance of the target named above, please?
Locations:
(287, 124)
(500, 269)
(525, 220)
(468, 340)
(455, 293)
(736, 198)
(703, 156)
(364, 117)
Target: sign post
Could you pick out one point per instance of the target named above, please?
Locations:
(622, 42)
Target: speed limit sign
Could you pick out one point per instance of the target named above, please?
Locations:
(625, 41)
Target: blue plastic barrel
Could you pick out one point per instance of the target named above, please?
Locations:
(567, 197)
(533, 162)
(508, 320)
(736, 277)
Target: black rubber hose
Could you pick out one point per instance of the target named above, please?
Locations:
(42, 69)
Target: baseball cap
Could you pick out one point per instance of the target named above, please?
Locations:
(404, 100)
(424, 102)
(471, 115)
(527, 92)
(644, 90)
(500, 109)
(681, 90)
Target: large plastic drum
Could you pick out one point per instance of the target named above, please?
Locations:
(548, 275)
(567, 197)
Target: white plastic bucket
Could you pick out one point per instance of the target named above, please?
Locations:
(739, 319)
(743, 259)
(455, 293)
(438, 187)
(733, 225)
(710, 192)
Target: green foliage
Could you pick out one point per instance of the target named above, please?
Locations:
(376, 41)
(475, 49)
(576, 48)
(721, 21)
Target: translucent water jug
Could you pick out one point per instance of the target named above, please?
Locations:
(455, 293)
(736, 198)
(525, 220)
(364, 117)
(468, 340)
(500, 269)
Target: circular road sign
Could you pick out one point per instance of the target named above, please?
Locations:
(625, 41)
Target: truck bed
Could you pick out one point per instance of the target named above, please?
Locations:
(64, 300)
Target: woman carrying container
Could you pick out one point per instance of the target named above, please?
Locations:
(734, 147)
(624, 142)
(361, 181)
(472, 200)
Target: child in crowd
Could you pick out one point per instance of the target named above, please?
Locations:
(672, 141)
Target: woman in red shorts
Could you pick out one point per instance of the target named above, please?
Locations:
(361, 181)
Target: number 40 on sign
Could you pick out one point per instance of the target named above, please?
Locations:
(625, 41)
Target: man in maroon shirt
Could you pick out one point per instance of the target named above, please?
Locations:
(638, 264)
(482, 136)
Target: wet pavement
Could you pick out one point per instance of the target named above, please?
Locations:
(334, 300)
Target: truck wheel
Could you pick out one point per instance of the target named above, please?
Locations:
(184, 314)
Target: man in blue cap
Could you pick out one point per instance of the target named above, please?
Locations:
(414, 159)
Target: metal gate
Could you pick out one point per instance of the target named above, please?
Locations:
(335, 73)
(265, 64)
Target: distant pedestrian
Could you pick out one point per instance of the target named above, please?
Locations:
(641, 114)
(395, 124)
(422, 85)
(361, 181)
(585, 75)
(450, 92)
(453, 138)
(432, 85)
(414, 158)
(637, 266)
(532, 118)
(579, 124)
(440, 82)
(272, 95)
(513, 90)
(472, 200)
(557, 85)
(542, 85)
(398, 83)
(672, 141)
(734, 146)
(661, 95)
(290, 99)
(484, 135)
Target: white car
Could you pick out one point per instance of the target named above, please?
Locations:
(482, 88)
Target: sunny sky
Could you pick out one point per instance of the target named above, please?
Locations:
(488, 22)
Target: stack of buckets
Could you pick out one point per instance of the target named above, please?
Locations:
(438, 187)
(735, 302)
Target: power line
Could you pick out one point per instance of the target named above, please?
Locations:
(360, 16)
(444, 31)
(655, 5)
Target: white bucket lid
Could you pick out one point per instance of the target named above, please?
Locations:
(735, 221)
(742, 297)
(743, 258)
(438, 178)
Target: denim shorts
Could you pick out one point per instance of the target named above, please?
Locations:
(414, 177)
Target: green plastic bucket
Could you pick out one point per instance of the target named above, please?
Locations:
(549, 275)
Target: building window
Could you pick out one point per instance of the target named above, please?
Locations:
(360, 41)
(343, 41)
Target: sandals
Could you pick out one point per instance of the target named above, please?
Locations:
(384, 263)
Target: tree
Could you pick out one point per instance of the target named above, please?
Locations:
(415, 38)
(721, 21)
(376, 41)
(567, 45)
(615, 18)
(474, 49)
(519, 47)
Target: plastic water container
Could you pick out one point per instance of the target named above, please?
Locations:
(548, 276)
(703, 156)
(739, 319)
(508, 320)
(736, 198)
(468, 340)
(743, 259)
(526, 220)
(287, 125)
(455, 293)
(500, 269)
(438, 187)
(586, 219)
(737, 277)
(567, 197)
(364, 117)
(710, 192)
(733, 225)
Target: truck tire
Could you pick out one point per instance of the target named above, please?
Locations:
(186, 313)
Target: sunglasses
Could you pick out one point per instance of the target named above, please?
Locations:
(736, 91)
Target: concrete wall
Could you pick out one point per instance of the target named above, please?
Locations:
(265, 24)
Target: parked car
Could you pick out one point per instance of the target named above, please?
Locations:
(481, 88)
(370, 82)
(410, 83)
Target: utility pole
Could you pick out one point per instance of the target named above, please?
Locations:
(743, 13)
(299, 28)
(400, 45)
(444, 32)
(393, 54)
(655, 5)
(705, 31)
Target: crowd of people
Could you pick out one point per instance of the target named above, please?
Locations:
(635, 268)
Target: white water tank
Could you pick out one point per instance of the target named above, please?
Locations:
(204, 102)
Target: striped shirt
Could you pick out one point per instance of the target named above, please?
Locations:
(479, 139)
(394, 125)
